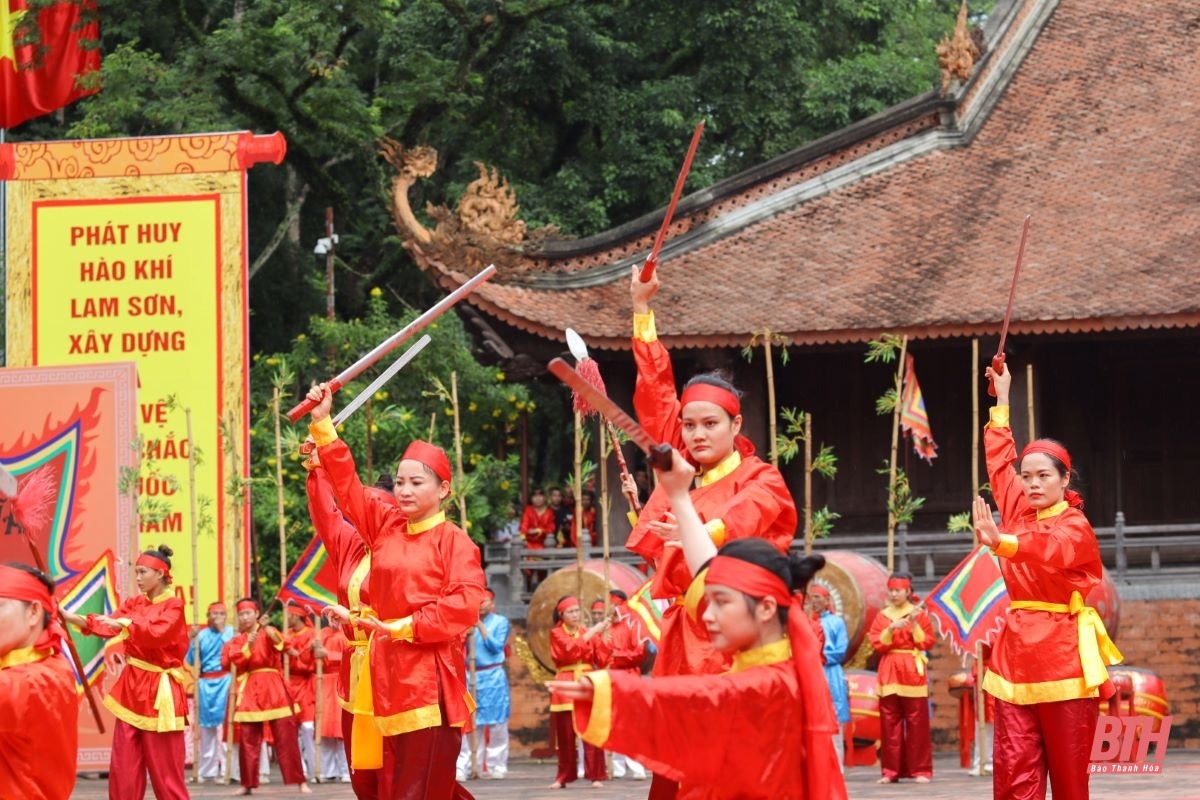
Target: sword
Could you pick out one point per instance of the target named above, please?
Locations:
(998, 359)
(395, 340)
(386, 376)
(652, 259)
(658, 453)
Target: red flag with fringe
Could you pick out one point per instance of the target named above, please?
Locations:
(44, 51)
(913, 417)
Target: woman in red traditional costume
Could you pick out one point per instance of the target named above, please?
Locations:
(262, 697)
(573, 650)
(352, 562)
(736, 494)
(1049, 664)
(39, 710)
(764, 729)
(902, 634)
(149, 698)
(426, 589)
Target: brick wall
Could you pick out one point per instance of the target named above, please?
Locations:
(1159, 635)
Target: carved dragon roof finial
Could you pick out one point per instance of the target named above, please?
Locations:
(484, 229)
(957, 53)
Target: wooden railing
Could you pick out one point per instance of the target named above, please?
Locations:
(1129, 551)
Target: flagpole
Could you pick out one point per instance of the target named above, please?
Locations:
(808, 537)
(187, 414)
(980, 710)
(891, 531)
(1029, 400)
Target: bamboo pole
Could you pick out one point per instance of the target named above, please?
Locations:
(279, 494)
(230, 709)
(195, 722)
(602, 511)
(980, 710)
(317, 708)
(1029, 400)
(771, 398)
(576, 517)
(974, 417)
(808, 483)
(891, 542)
(461, 498)
(238, 506)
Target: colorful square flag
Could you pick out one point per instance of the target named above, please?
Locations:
(94, 593)
(313, 581)
(970, 603)
(913, 417)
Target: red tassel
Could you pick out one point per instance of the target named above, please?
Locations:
(33, 507)
(589, 370)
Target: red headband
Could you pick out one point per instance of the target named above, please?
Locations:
(818, 590)
(616, 598)
(899, 583)
(217, 606)
(154, 562)
(598, 605)
(747, 578)
(566, 604)
(17, 584)
(247, 605)
(707, 393)
(297, 611)
(431, 456)
(1052, 449)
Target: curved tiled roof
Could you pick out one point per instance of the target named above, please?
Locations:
(1083, 115)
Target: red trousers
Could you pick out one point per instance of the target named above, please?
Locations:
(595, 768)
(564, 737)
(906, 745)
(368, 784)
(423, 764)
(662, 788)
(134, 752)
(285, 731)
(1046, 737)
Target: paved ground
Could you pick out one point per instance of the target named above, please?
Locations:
(527, 780)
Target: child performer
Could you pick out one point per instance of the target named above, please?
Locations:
(262, 697)
(39, 710)
(762, 730)
(836, 643)
(902, 634)
(149, 699)
(572, 649)
(426, 588)
(1048, 667)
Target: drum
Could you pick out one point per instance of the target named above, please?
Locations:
(588, 586)
(961, 683)
(1140, 692)
(857, 587)
(1107, 602)
(864, 707)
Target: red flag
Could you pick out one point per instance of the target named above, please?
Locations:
(913, 417)
(42, 56)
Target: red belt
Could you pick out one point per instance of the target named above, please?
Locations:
(220, 674)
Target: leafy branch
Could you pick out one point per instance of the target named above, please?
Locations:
(903, 504)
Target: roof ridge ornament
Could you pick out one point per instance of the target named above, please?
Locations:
(483, 229)
(957, 53)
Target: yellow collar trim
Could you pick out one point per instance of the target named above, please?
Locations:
(723, 468)
(1054, 510)
(896, 612)
(763, 656)
(427, 524)
(23, 655)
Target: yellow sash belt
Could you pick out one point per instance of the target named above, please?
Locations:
(918, 655)
(1096, 649)
(164, 699)
(366, 742)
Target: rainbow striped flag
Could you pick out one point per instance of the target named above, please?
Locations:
(913, 417)
(969, 604)
(94, 593)
(313, 581)
(647, 613)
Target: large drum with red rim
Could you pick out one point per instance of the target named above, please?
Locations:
(588, 585)
(1107, 602)
(1140, 692)
(857, 587)
(864, 706)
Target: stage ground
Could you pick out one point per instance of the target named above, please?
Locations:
(527, 780)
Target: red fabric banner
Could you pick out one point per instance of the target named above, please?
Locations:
(43, 53)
